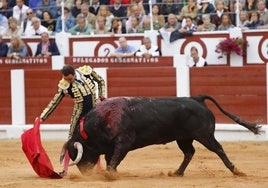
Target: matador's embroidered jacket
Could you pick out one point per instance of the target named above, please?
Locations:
(82, 91)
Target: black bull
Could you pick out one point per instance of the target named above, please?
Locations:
(119, 125)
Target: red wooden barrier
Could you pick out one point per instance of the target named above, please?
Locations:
(5, 97)
(26, 63)
(240, 90)
(40, 88)
(145, 81)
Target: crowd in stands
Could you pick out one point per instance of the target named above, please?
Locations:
(17, 49)
(32, 17)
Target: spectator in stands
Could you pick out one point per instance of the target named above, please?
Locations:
(170, 7)
(36, 29)
(195, 60)
(207, 25)
(189, 26)
(206, 8)
(49, 22)
(27, 23)
(3, 47)
(19, 11)
(262, 10)
(33, 4)
(95, 6)
(124, 2)
(135, 3)
(46, 48)
(91, 18)
(87, 2)
(146, 25)
(250, 5)
(158, 18)
(135, 27)
(191, 9)
(105, 2)
(69, 21)
(243, 19)
(146, 6)
(47, 5)
(124, 50)
(102, 29)
(3, 24)
(233, 11)
(67, 3)
(76, 9)
(17, 48)
(11, 3)
(117, 26)
(82, 27)
(220, 10)
(172, 24)
(254, 21)
(13, 28)
(105, 12)
(119, 10)
(148, 50)
(226, 23)
(138, 13)
(6, 10)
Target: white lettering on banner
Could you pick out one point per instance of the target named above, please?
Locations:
(115, 60)
(1, 61)
(26, 61)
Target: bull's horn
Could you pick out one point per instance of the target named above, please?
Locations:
(79, 148)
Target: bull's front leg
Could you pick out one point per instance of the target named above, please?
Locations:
(85, 168)
(113, 160)
(108, 158)
(116, 158)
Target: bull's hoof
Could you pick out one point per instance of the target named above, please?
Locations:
(175, 174)
(238, 173)
(110, 169)
(111, 175)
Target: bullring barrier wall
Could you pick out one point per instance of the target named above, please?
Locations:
(240, 90)
(137, 79)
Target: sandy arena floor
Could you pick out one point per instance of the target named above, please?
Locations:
(145, 168)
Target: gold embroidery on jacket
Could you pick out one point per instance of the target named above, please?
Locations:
(63, 84)
(75, 117)
(86, 70)
(79, 90)
(52, 104)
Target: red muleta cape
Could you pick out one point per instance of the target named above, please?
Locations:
(34, 151)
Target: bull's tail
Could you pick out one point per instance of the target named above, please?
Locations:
(252, 126)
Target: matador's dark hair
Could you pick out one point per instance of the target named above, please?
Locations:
(67, 69)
